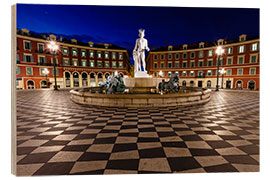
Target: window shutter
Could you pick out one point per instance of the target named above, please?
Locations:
(244, 48)
(32, 59)
(238, 49)
(30, 45)
(24, 58)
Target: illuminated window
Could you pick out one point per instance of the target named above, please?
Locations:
(92, 64)
(120, 64)
(254, 47)
(75, 62)
(201, 54)
(241, 49)
(230, 50)
(91, 54)
(210, 53)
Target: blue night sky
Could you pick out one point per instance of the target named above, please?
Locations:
(119, 24)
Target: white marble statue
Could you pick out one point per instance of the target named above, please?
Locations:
(138, 53)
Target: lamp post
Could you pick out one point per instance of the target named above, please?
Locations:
(46, 72)
(53, 49)
(219, 52)
(222, 72)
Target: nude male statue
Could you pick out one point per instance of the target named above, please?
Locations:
(138, 52)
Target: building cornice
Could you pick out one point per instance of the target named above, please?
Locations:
(72, 45)
(206, 48)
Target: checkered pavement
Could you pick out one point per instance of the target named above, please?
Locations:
(56, 136)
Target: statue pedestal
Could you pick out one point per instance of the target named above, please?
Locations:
(142, 85)
(141, 74)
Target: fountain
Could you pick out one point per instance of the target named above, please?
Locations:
(142, 90)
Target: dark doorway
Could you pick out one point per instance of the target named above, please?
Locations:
(251, 85)
(228, 84)
(200, 83)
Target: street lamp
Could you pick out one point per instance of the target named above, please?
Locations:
(53, 49)
(222, 72)
(219, 52)
(46, 72)
(160, 73)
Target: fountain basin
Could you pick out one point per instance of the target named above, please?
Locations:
(141, 100)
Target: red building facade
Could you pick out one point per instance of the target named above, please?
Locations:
(77, 64)
(196, 64)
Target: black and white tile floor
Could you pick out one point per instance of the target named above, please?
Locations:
(56, 136)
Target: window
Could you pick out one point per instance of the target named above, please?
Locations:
(184, 73)
(92, 64)
(169, 73)
(18, 58)
(191, 73)
(28, 58)
(107, 64)
(113, 55)
(209, 73)
(192, 63)
(99, 64)
(184, 55)
(29, 71)
(120, 64)
(177, 56)
(176, 64)
(229, 50)
(120, 56)
(162, 56)
(192, 55)
(75, 62)
(106, 55)
(239, 71)
(91, 54)
(209, 62)
(74, 52)
(200, 64)
(200, 73)
(155, 74)
(155, 56)
(66, 62)
(41, 71)
(18, 70)
(242, 49)
(27, 45)
(169, 65)
(229, 72)
(229, 61)
(240, 60)
(170, 56)
(220, 62)
(210, 53)
(184, 64)
(201, 54)
(42, 60)
(99, 55)
(83, 63)
(57, 72)
(114, 64)
(83, 53)
(162, 65)
(65, 51)
(177, 73)
(254, 47)
(40, 47)
(155, 65)
(253, 59)
(252, 71)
